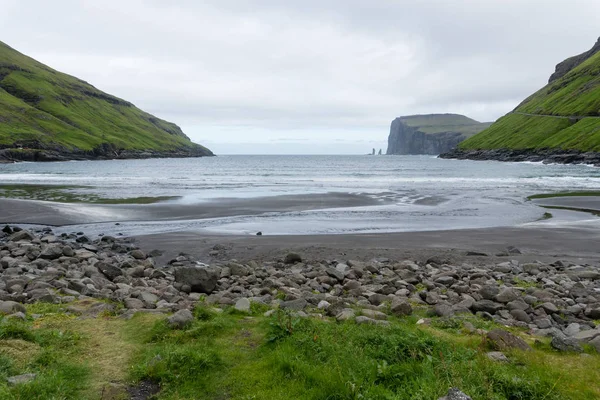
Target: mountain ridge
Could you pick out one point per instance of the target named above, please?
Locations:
(47, 115)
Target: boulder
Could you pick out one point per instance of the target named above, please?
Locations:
(21, 235)
(51, 252)
(242, 304)
(11, 307)
(199, 279)
(110, 271)
(401, 308)
(292, 258)
(138, 255)
(294, 305)
(565, 344)
(180, 319)
(486, 306)
(503, 340)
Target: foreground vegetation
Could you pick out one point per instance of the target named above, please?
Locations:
(228, 354)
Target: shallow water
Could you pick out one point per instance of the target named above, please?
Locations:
(412, 192)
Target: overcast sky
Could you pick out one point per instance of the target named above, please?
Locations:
(309, 76)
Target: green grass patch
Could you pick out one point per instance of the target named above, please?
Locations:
(564, 194)
(225, 355)
(71, 194)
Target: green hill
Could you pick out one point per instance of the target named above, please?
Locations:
(563, 116)
(49, 115)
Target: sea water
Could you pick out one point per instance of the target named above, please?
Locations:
(410, 193)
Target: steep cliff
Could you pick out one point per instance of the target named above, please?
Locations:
(46, 115)
(430, 134)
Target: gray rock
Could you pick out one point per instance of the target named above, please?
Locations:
(507, 295)
(242, 304)
(445, 280)
(292, 258)
(549, 308)
(11, 307)
(566, 344)
(373, 314)
(236, 269)
(401, 308)
(51, 252)
(489, 292)
(587, 336)
(520, 315)
(360, 320)
(20, 379)
(573, 329)
(443, 310)
(138, 255)
(518, 304)
(504, 340)
(294, 305)
(180, 319)
(345, 315)
(201, 280)
(592, 312)
(543, 323)
(595, 343)
(21, 235)
(148, 298)
(335, 273)
(109, 270)
(497, 356)
(486, 306)
(323, 305)
(455, 394)
(133, 304)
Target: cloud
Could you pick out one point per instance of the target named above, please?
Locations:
(281, 69)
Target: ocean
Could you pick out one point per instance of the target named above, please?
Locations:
(391, 193)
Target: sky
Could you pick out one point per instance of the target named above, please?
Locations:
(304, 77)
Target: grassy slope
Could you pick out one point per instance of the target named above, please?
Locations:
(229, 355)
(40, 104)
(438, 123)
(575, 94)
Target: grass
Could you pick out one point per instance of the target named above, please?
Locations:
(575, 94)
(563, 194)
(438, 123)
(231, 355)
(69, 194)
(41, 108)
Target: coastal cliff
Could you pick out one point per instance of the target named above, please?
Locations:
(46, 115)
(560, 123)
(430, 134)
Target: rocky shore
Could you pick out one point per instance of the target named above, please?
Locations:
(547, 156)
(11, 155)
(559, 299)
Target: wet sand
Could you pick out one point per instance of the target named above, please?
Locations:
(58, 214)
(575, 242)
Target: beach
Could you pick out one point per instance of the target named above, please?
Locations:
(568, 234)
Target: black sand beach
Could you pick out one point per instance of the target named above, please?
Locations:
(537, 241)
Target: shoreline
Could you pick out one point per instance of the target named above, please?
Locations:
(546, 156)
